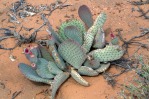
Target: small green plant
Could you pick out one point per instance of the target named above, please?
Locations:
(74, 50)
(139, 89)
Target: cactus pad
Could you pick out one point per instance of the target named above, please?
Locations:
(58, 81)
(109, 53)
(73, 33)
(53, 68)
(75, 75)
(31, 74)
(45, 54)
(76, 23)
(99, 40)
(85, 15)
(83, 70)
(72, 53)
(42, 69)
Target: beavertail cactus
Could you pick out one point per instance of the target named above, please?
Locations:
(72, 52)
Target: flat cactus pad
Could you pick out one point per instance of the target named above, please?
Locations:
(76, 23)
(42, 69)
(31, 74)
(72, 53)
(109, 53)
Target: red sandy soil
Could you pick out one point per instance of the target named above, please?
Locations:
(119, 15)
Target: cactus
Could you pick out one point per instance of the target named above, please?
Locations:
(70, 53)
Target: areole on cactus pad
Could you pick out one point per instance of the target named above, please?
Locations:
(74, 51)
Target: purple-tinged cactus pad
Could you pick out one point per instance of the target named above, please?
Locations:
(85, 15)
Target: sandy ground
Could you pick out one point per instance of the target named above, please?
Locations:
(119, 14)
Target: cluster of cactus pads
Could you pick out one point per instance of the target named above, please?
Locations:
(77, 49)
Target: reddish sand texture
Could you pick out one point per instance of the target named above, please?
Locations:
(119, 15)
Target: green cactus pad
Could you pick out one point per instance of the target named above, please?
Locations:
(31, 74)
(53, 68)
(109, 53)
(45, 54)
(73, 33)
(72, 53)
(103, 67)
(89, 37)
(94, 64)
(85, 15)
(76, 76)
(87, 71)
(76, 23)
(99, 41)
(58, 81)
(42, 69)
